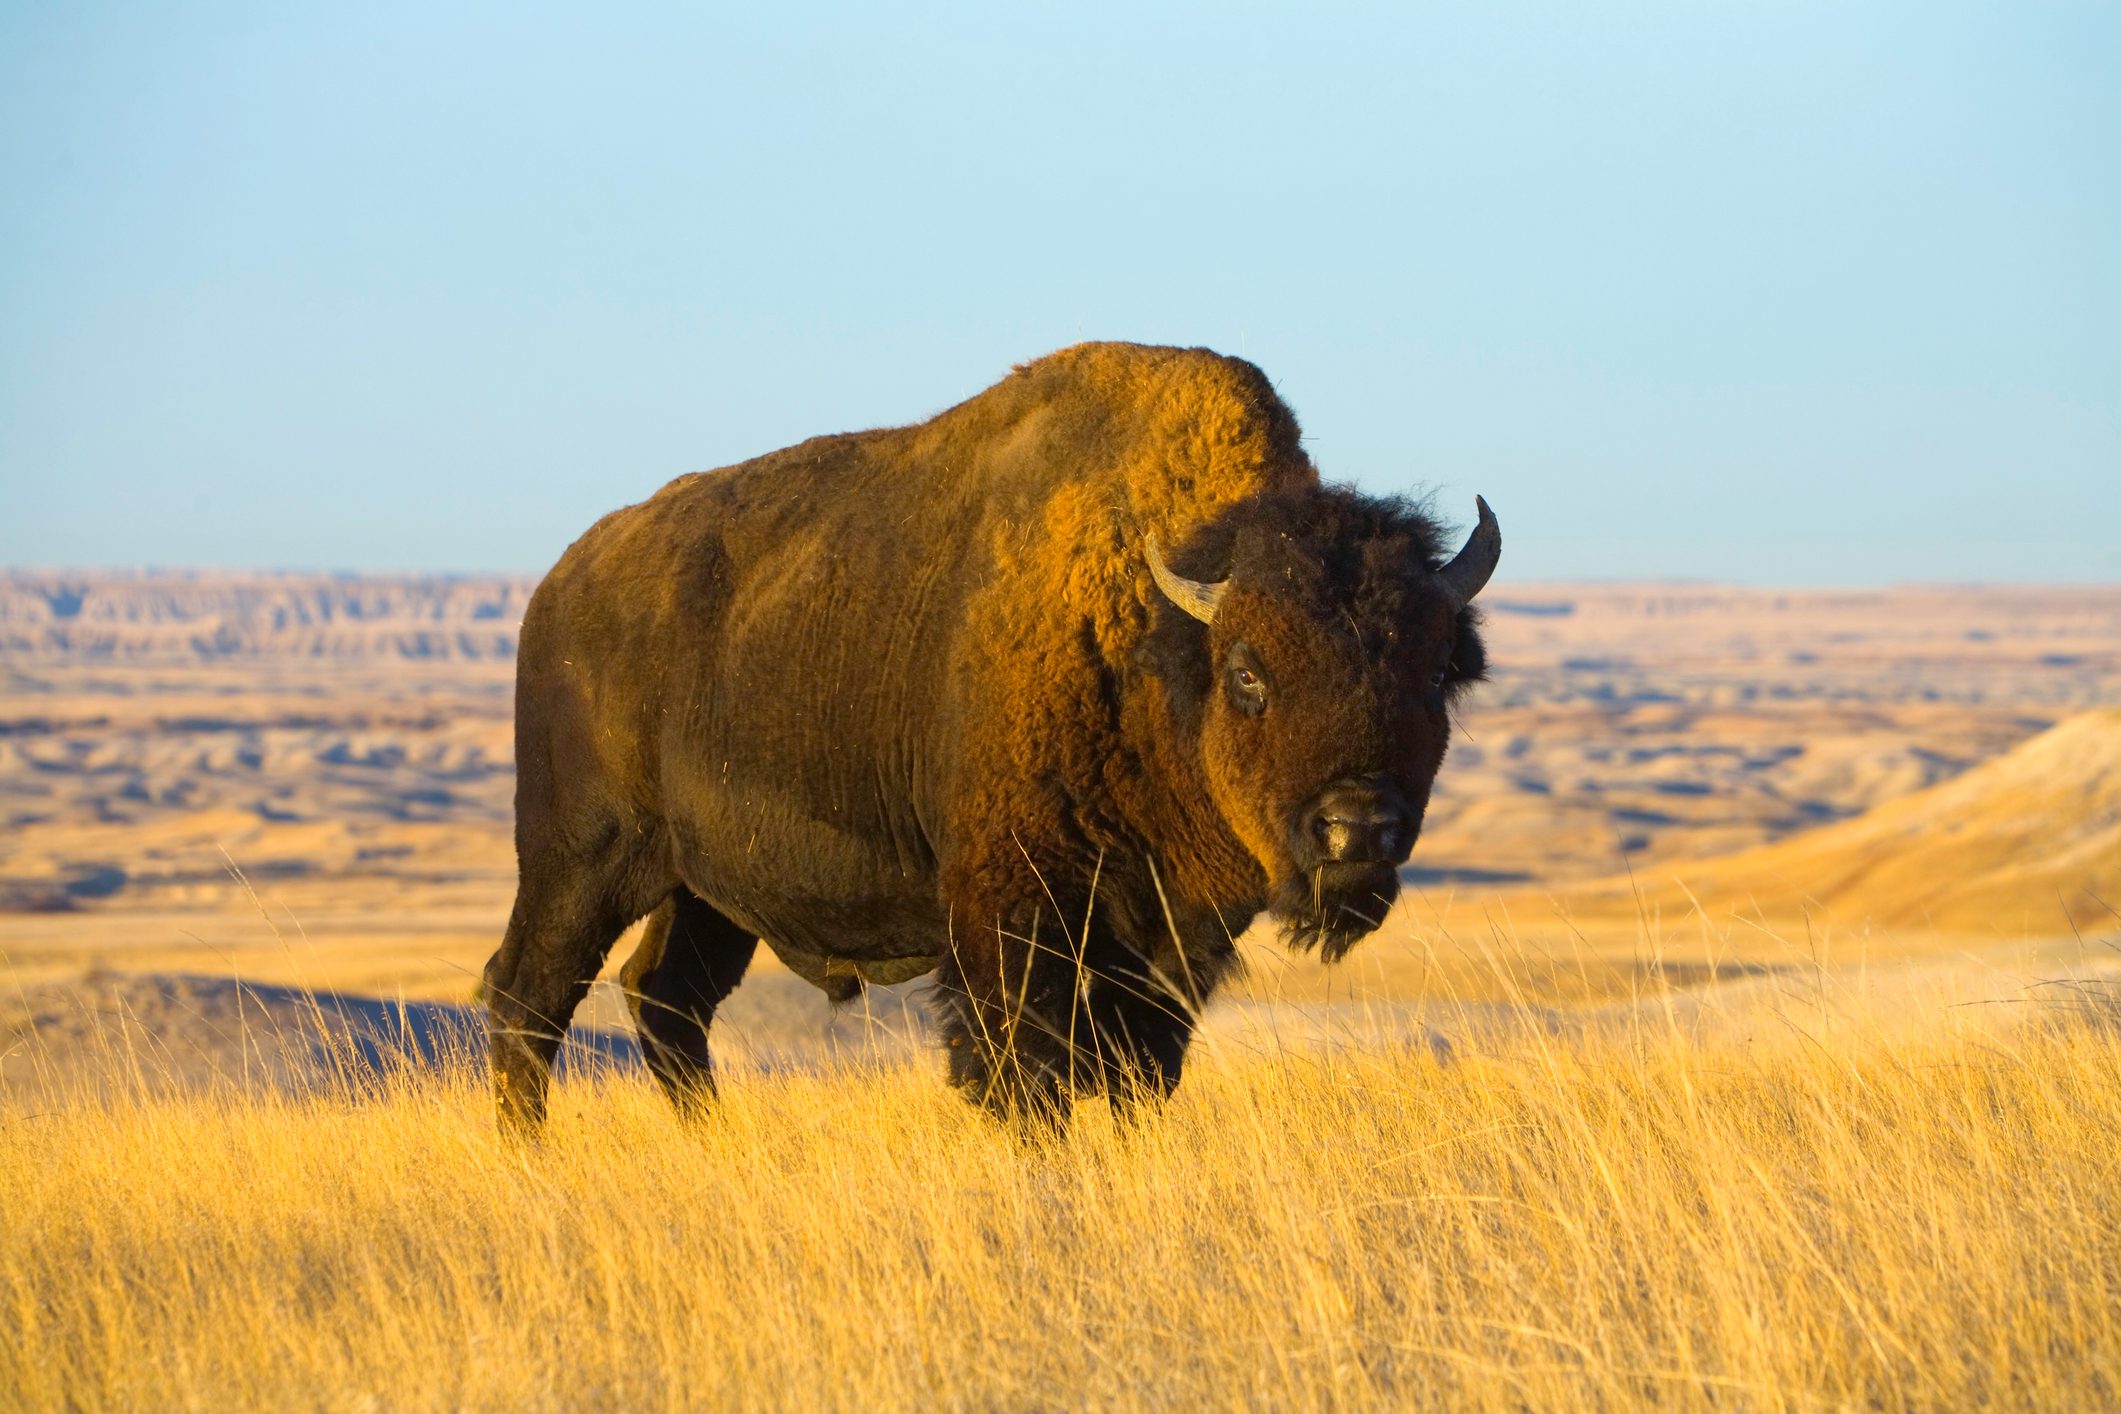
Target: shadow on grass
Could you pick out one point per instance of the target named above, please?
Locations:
(174, 1033)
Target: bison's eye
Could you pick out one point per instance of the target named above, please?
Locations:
(1247, 685)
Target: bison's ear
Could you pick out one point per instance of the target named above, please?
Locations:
(1469, 656)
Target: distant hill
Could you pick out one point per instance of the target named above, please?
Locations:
(198, 616)
(2023, 845)
(1598, 644)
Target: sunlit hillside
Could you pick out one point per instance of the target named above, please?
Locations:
(2024, 845)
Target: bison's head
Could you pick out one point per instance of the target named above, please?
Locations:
(1319, 670)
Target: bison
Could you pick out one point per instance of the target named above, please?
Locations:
(1048, 696)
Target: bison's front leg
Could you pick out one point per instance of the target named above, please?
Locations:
(1140, 1027)
(1007, 1006)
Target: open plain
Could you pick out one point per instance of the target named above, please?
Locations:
(1745, 1037)
(307, 780)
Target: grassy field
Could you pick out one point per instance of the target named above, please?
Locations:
(1798, 1210)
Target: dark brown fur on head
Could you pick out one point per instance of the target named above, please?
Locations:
(1332, 608)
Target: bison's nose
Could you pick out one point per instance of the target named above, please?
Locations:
(1358, 824)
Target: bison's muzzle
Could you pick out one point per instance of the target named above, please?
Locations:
(1348, 843)
(1356, 822)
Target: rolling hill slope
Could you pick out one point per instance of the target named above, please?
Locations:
(2027, 844)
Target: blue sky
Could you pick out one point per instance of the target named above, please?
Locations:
(1777, 293)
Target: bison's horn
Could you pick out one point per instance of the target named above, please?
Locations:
(1199, 600)
(1469, 570)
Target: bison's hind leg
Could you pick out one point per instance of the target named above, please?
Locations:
(690, 958)
(570, 907)
(544, 968)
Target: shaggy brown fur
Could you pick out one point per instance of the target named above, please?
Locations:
(909, 700)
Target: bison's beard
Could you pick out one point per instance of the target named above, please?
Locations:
(1334, 906)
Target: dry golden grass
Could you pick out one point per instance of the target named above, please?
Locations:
(1825, 1214)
